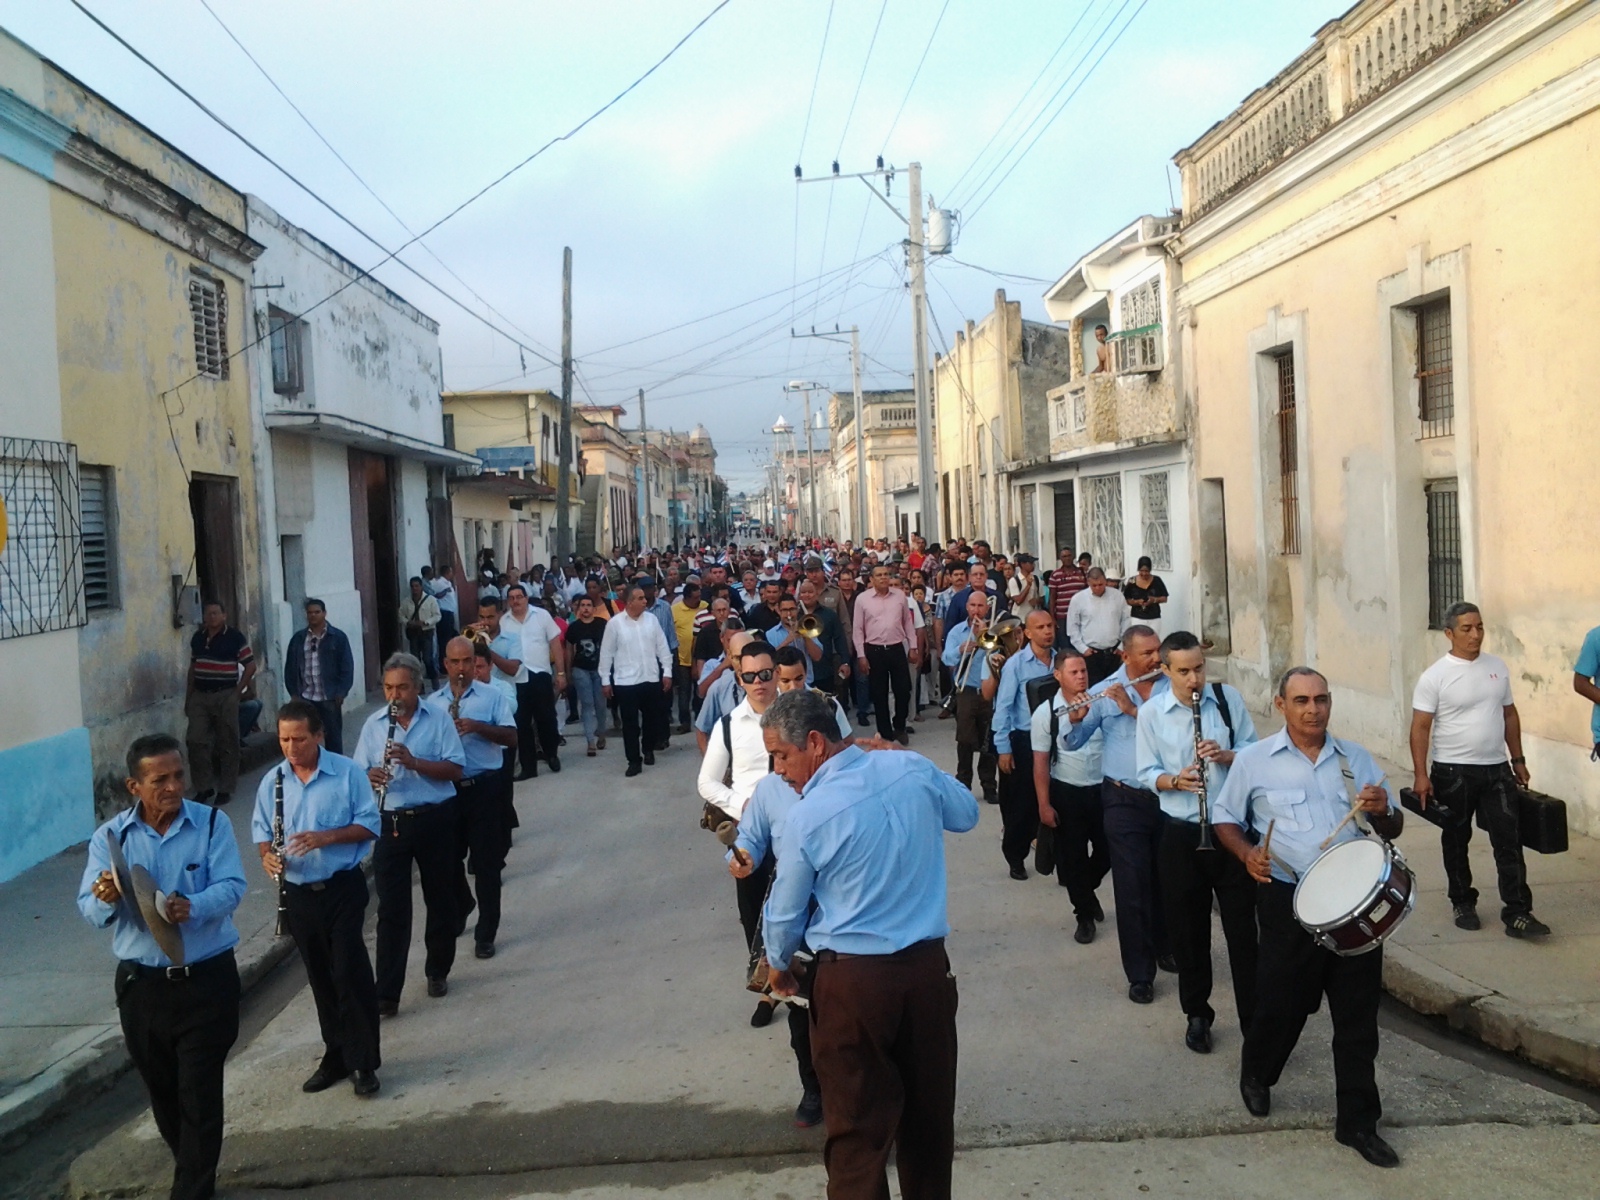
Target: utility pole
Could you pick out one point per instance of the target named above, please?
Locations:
(564, 442)
(929, 499)
(811, 470)
(861, 435)
(644, 478)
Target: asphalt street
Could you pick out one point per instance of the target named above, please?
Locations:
(607, 1052)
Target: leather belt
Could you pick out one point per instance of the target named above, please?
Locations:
(175, 974)
(910, 951)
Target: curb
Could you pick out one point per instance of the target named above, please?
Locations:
(1528, 1032)
(92, 1069)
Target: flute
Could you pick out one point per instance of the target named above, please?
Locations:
(388, 749)
(1201, 799)
(279, 840)
(1088, 699)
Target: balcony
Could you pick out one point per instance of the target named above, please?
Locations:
(1135, 351)
(1105, 411)
(891, 416)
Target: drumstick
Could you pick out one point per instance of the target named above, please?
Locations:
(1266, 842)
(1355, 809)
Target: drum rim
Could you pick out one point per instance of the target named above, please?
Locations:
(1392, 856)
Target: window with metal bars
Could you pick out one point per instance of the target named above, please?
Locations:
(97, 521)
(208, 306)
(1288, 453)
(41, 564)
(1102, 503)
(1436, 397)
(1155, 519)
(1445, 583)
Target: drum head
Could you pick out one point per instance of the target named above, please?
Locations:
(1339, 882)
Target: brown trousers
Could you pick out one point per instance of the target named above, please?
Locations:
(213, 739)
(883, 1039)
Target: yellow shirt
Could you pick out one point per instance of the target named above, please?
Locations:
(683, 622)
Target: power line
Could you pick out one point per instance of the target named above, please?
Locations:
(866, 62)
(996, 274)
(805, 130)
(897, 112)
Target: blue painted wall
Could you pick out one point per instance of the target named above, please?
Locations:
(46, 799)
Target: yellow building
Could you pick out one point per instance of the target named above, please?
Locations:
(150, 262)
(1388, 289)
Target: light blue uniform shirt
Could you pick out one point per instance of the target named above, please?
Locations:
(479, 702)
(506, 645)
(867, 841)
(1588, 666)
(951, 657)
(1119, 759)
(1011, 711)
(661, 610)
(336, 795)
(1273, 782)
(721, 698)
(1166, 744)
(1078, 768)
(778, 637)
(432, 738)
(764, 818)
(197, 857)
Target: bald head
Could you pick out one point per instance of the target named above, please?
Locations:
(459, 662)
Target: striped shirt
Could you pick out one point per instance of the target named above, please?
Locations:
(217, 659)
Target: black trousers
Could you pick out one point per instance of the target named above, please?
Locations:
(537, 735)
(1019, 804)
(1189, 878)
(800, 1043)
(642, 718)
(751, 894)
(1490, 792)
(178, 1034)
(1133, 822)
(332, 724)
(683, 689)
(890, 668)
(425, 835)
(1295, 974)
(1101, 663)
(483, 838)
(973, 717)
(1080, 842)
(325, 921)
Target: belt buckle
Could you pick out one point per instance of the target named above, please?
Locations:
(175, 972)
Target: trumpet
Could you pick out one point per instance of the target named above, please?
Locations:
(477, 635)
(810, 627)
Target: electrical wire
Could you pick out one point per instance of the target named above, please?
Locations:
(991, 271)
(866, 62)
(897, 112)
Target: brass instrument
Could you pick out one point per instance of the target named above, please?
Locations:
(477, 635)
(809, 627)
(1001, 640)
(964, 667)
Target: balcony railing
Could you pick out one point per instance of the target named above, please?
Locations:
(1111, 410)
(892, 416)
(1138, 350)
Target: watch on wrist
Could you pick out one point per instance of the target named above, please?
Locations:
(1519, 759)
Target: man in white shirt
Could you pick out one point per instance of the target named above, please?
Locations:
(1068, 786)
(1095, 619)
(1462, 705)
(634, 658)
(444, 593)
(543, 673)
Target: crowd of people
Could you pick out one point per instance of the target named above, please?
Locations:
(1095, 733)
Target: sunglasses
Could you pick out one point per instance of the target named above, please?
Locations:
(762, 676)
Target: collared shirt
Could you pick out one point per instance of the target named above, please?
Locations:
(1588, 665)
(337, 794)
(479, 702)
(1119, 756)
(634, 651)
(431, 737)
(780, 635)
(217, 659)
(1166, 744)
(978, 670)
(508, 644)
(1081, 767)
(1273, 782)
(424, 610)
(764, 818)
(749, 759)
(720, 699)
(444, 594)
(955, 608)
(311, 665)
(197, 857)
(883, 621)
(1011, 712)
(1064, 583)
(536, 632)
(661, 610)
(867, 841)
(1095, 622)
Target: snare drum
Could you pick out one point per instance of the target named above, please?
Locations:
(1355, 895)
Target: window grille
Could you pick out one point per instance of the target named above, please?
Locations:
(1080, 410)
(1154, 495)
(1288, 454)
(284, 334)
(1102, 501)
(96, 506)
(208, 305)
(1436, 397)
(1445, 584)
(41, 567)
(1142, 305)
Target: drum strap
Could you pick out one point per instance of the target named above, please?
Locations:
(1350, 788)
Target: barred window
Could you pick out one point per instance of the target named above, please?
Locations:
(1141, 306)
(285, 333)
(1445, 583)
(1080, 410)
(208, 306)
(41, 566)
(97, 506)
(1102, 502)
(1154, 495)
(1288, 454)
(1436, 397)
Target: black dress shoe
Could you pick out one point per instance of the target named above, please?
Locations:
(365, 1083)
(1098, 913)
(1019, 872)
(634, 769)
(524, 775)
(1370, 1146)
(438, 988)
(1167, 962)
(1257, 1097)
(1085, 931)
(483, 950)
(991, 797)
(222, 798)
(649, 758)
(809, 1111)
(1198, 1036)
(762, 1017)
(1142, 993)
(555, 762)
(323, 1078)
(388, 1008)
(203, 797)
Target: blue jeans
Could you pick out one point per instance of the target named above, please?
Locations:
(591, 701)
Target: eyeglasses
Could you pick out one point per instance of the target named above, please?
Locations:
(762, 676)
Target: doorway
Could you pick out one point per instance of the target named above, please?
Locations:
(214, 508)
(376, 560)
(1066, 520)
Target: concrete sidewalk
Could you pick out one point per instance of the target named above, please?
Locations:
(60, 1039)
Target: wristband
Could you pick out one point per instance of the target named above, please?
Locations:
(1518, 759)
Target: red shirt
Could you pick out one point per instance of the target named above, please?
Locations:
(1064, 583)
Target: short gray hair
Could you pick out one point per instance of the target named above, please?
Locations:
(1294, 672)
(401, 661)
(1458, 610)
(1133, 632)
(1094, 573)
(797, 715)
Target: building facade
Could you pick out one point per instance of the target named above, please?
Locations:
(610, 496)
(889, 452)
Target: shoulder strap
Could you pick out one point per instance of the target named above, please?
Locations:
(1222, 707)
(1055, 731)
(727, 734)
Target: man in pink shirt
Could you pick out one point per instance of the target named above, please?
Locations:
(886, 650)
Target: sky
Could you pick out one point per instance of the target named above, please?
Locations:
(1047, 126)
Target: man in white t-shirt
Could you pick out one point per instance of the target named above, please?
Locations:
(543, 674)
(1462, 705)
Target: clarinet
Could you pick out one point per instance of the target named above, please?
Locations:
(1200, 797)
(388, 749)
(278, 843)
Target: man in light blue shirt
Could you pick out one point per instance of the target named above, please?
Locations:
(1013, 739)
(416, 781)
(866, 842)
(724, 694)
(329, 818)
(178, 1019)
(487, 725)
(1177, 768)
(974, 712)
(1301, 784)
(1586, 682)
